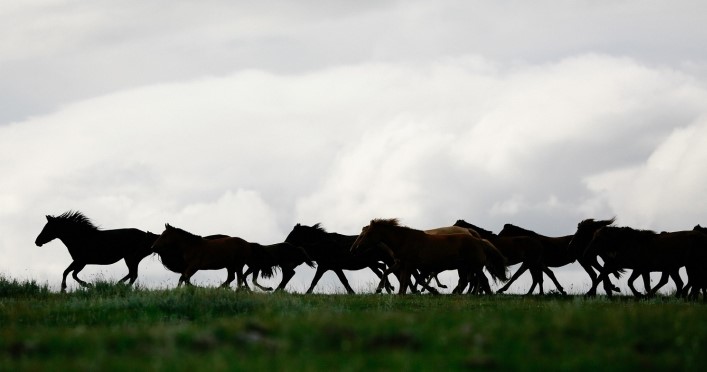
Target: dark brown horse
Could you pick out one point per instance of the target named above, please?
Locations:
(646, 251)
(416, 250)
(697, 275)
(331, 251)
(89, 245)
(579, 243)
(229, 253)
(285, 256)
(523, 250)
(555, 250)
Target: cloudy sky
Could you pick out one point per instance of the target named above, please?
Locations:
(245, 118)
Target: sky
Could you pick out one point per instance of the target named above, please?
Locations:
(246, 118)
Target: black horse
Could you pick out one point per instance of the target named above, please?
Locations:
(285, 256)
(89, 245)
(646, 251)
(331, 251)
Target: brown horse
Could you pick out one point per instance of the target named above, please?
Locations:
(646, 251)
(416, 250)
(428, 277)
(516, 249)
(199, 253)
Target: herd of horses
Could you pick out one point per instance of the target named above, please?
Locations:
(415, 257)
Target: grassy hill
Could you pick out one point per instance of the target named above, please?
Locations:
(113, 327)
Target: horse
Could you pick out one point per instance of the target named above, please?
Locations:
(199, 253)
(697, 275)
(331, 252)
(89, 245)
(426, 279)
(416, 250)
(579, 243)
(173, 260)
(516, 249)
(284, 255)
(645, 251)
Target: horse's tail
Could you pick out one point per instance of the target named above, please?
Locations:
(495, 261)
(305, 257)
(262, 260)
(267, 272)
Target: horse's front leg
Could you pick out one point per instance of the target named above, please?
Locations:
(317, 275)
(287, 274)
(404, 280)
(72, 266)
(634, 275)
(229, 278)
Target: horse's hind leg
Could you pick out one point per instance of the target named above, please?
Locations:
(132, 270)
(515, 276)
(77, 270)
(256, 274)
(552, 277)
(287, 274)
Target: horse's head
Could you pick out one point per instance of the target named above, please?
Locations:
(701, 229)
(373, 234)
(303, 234)
(167, 239)
(486, 234)
(585, 233)
(363, 239)
(49, 232)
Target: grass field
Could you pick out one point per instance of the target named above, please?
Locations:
(113, 327)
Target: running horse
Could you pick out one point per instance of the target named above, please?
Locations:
(199, 253)
(416, 250)
(645, 251)
(89, 245)
(516, 249)
(331, 251)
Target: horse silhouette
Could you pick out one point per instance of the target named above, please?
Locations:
(89, 245)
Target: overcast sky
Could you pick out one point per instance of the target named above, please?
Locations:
(245, 118)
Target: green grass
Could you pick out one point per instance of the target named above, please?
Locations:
(114, 327)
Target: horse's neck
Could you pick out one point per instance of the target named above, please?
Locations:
(77, 241)
(397, 237)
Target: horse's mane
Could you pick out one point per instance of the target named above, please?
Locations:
(318, 226)
(386, 221)
(392, 222)
(621, 234)
(511, 226)
(187, 234)
(76, 220)
(590, 222)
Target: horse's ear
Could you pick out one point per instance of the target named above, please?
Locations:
(49, 218)
(166, 226)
